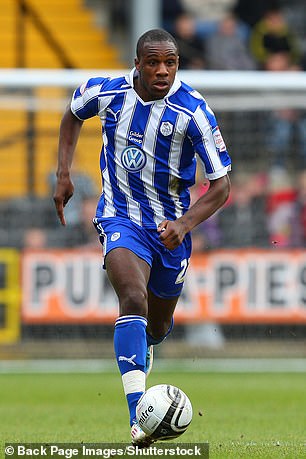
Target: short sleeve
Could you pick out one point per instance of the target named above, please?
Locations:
(208, 142)
(85, 99)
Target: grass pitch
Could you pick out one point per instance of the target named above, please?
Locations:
(241, 415)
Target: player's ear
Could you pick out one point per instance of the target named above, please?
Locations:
(178, 61)
(136, 62)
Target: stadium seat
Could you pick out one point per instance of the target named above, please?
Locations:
(73, 27)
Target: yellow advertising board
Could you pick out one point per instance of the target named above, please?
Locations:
(9, 295)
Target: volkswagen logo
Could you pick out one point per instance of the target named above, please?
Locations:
(133, 159)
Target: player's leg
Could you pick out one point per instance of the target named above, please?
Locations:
(160, 324)
(164, 288)
(129, 275)
(160, 317)
(128, 260)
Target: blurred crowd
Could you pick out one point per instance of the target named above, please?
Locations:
(264, 211)
(31, 221)
(245, 37)
(242, 36)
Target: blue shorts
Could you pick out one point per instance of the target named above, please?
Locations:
(168, 267)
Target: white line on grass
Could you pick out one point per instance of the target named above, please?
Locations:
(218, 365)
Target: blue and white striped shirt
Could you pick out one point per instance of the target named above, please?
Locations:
(148, 159)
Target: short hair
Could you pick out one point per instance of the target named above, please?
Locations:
(159, 35)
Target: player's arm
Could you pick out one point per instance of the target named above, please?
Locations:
(207, 204)
(173, 232)
(69, 133)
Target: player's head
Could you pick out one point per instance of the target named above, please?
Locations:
(157, 62)
(154, 35)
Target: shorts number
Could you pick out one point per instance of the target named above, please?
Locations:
(181, 276)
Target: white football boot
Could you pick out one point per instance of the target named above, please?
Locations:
(139, 437)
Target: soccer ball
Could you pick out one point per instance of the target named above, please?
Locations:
(164, 412)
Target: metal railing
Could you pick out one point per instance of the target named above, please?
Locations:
(26, 11)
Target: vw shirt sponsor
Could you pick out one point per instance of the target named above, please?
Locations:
(133, 159)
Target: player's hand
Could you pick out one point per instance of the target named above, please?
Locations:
(63, 191)
(172, 233)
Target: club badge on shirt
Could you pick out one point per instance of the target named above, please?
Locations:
(115, 236)
(166, 128)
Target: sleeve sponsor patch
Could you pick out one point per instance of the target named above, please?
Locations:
(220, 145)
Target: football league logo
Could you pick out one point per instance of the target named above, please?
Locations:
(133, 159)
(83, 87)
(219, 142)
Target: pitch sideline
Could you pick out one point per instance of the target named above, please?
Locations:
(196, 365)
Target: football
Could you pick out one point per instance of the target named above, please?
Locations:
(164, 412)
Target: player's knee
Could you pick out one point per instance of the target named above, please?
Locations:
(134, 301)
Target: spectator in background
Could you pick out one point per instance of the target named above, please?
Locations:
(85, 189)
(83, 233)
(226, 50)
(79, 213)
(206, 235)
(80, 233)
(286, 125)
(119, 15)
(191, 46)
(37, 219)
(250, 11)
(299, 216)
(243, 221)
(171, 10)
(272, 35)
(281, 208)
(35, 238)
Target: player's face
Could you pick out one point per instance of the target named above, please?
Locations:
(157, 67)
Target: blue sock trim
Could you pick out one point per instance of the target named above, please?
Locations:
(130, 318)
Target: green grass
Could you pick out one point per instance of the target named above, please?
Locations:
(240, 415)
